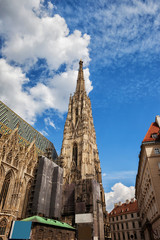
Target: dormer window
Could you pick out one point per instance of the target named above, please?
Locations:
(154, 135)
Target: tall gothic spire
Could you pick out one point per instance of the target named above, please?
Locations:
(80, 80)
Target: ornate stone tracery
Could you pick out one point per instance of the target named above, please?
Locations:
(80, 161)
(15, 157)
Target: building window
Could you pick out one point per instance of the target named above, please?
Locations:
(5, 188)
(128, 235)
(157, 150)
(113, 227)
(117, 226)
(119, 236)
(139, 224)
(114, 236)
(132, 215)
(117, 218)
(127, 225)
(125, 216)
(123, 236)
(3, 225)
(75, 153)
(113, 219)
(122, 225)
(133, 224)
(121, 217)
(135, 235)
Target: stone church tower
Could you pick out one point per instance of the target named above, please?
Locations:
(83, 197)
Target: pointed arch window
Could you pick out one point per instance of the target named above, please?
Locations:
(5, 188)
(26, 200)
(75, 153)
(3, 225)
(9, 157)
(4, 151)
(16, 159)
(76, 115)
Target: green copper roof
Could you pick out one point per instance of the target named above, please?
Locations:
(48, 222)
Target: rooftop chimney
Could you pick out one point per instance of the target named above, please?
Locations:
(115, 205)
(157, 120)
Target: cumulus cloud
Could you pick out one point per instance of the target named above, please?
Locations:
(30, 34)
(119, 193)
(30, 101)
(29, 37)
(12, 80)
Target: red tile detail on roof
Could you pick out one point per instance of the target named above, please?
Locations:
(124, 209)
(153, 129)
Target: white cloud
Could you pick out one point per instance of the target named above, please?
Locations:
(29, 37)
(44, 133)
(119, 175)
(49, 122)
(12, 93)
(119, 193)
(30, 102)
(29, 34)
(120, 29)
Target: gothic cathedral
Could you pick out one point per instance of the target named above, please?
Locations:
(83, 194)
(32, 184)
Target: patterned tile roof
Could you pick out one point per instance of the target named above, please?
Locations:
(125, 208)
(9, 121)
(152, 134)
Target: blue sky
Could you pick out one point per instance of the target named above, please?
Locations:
(41, 45)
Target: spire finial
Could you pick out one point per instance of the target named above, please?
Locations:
(80, 81)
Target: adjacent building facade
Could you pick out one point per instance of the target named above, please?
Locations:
(148, 182)
(125, 221)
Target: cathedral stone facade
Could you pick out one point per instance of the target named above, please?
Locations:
(31, 182)
(17, 166)
(83, 194)
(21, 180)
